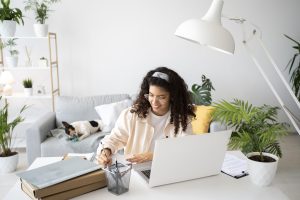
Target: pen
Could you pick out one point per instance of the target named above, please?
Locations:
(103, 149)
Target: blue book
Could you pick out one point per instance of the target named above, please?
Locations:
(58, 172)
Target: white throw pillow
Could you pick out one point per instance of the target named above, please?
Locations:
(109, 113)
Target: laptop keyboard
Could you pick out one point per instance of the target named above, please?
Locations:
(147, 173)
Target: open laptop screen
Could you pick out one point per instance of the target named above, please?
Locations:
(186, 158)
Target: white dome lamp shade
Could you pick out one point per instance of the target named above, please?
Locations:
(208, 31)
(7, 79)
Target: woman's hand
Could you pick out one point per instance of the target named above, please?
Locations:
(105, 157)
(140, 158)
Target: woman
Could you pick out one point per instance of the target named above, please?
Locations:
(163, 109)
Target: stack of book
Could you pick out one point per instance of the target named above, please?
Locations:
(67, 189)
(62, 180)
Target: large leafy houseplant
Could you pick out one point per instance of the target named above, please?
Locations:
(201, 94)
(41, 8)
(294, 68)
(6, 130)
(7, 13)
(255, 128)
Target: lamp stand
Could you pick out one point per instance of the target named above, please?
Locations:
(292, 117)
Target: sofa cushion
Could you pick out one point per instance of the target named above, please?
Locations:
(109, 113)
(72, 109)
(203, 118)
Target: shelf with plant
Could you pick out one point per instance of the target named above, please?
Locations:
(9, 44)
(28, 92)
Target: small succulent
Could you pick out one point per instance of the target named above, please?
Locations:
(27, 83)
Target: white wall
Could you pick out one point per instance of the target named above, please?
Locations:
(107, 46)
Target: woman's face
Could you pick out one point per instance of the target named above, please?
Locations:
(159, 99)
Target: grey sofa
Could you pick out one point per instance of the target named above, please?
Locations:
(72, 109)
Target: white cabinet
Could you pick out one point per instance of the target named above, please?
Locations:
(45, 77)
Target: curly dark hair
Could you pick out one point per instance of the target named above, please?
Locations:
(182, 109)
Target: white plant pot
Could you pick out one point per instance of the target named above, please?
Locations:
(12, 61)
(28, 91)
(9, 164)
(41, 30)
(262, 173)
(8, 28)
(43, 63)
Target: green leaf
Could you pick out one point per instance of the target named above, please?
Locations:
(294, 68)
(298, 43)
(255, 128)
(201, 94)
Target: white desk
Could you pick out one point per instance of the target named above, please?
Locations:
(221, 187)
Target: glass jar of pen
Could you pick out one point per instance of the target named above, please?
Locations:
(118, 177)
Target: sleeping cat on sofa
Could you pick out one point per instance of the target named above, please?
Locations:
(82, 129)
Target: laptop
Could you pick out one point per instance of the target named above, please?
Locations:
(185, 158)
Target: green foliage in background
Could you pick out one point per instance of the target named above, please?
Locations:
(7, 13)
(201, 94)
(294, 68)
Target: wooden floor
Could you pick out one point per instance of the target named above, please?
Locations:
(287, 178)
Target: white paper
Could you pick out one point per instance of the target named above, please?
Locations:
(234, 166)
(88, 156)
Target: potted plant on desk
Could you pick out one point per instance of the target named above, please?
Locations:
(8, 157)
(27, 83)
(41, 10)
(256, 133)
(9, 18)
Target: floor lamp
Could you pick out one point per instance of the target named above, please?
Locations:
(208, 31)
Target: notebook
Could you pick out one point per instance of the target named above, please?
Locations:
(58, 172)
(185, 158)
